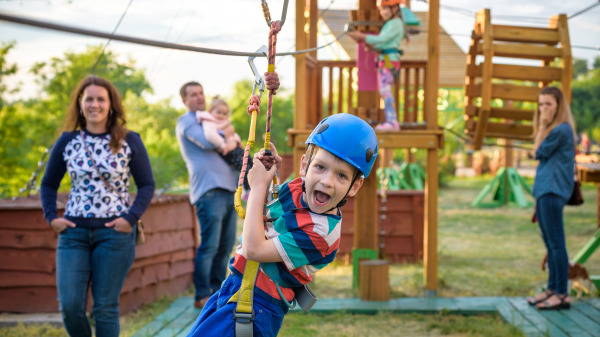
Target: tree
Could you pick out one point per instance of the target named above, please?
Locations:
(6, 70)
(586, 102)
(60, 76)
(156, 125)
(27, 128)
(580, 67)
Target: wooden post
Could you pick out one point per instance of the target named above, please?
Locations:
(365, 202)
(374, 280)
(483, 18)
(304, 40)
(430, 257)
(559, 22)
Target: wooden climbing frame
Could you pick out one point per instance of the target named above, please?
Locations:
(510, 85)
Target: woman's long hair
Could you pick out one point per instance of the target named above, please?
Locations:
(563, 114)
(115, 123)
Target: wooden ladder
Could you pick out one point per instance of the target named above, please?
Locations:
(498, 96)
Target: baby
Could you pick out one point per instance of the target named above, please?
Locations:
(217, 118)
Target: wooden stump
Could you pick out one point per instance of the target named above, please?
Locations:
(374, 277)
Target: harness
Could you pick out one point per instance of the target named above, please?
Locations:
(386, 60)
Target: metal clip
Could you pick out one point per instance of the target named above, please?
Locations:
(267, 13)
(259, 80)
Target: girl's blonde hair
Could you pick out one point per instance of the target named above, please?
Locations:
(563, 113)
(216, 101)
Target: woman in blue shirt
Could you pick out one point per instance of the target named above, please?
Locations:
(387, 44)
(554, 145)
(96, 240)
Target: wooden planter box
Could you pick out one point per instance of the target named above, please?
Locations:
(400, 232)
(163, 266)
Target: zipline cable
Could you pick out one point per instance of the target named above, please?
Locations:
(142, 41)
(584, 10)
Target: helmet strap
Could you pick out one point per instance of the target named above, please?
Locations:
(343, 201)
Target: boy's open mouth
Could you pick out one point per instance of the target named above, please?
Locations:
(321, 198)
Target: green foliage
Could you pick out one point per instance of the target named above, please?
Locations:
(6, 70)
(60, 76)
(580, 67)
(585, 103)
(156, 125)
(282, 115)
(19, 147)
(28, 128)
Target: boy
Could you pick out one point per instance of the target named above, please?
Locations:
(301, 230)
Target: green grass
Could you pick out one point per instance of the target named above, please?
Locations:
(481, 252)
(389, 324)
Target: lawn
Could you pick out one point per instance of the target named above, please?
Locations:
(482, 252)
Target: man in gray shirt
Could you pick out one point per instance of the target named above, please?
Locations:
(212, 188)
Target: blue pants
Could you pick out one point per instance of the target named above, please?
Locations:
(549, 210)
(103, 257)
(216, 318)
(217, 219)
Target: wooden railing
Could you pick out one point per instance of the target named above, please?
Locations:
(333, 89)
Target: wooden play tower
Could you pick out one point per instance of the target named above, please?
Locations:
(497, 94)
(309, 101)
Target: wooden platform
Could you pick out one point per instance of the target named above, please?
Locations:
(582, 320)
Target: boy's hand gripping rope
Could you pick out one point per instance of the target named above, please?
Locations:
(253, 109)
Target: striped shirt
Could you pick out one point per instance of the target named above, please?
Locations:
(306, 241)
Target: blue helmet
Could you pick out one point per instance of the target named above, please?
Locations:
(349, 138)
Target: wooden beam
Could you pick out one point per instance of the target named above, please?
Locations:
(567, 58)
(524, 51)
(516, 72)
(504, 91)
(486, 74)
(501, 130)
(301, 96)
(525, 34)
(515, 92)
(505, 113)
(420, 139)
(430, 239)
(365, 214)
(519, 130)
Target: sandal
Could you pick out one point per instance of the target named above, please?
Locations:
(563, 304)
(533, 301)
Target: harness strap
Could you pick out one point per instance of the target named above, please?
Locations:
(244, 314)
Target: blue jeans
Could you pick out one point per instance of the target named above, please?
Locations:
(549, 210)
(102, 257)
(216, 318)
(217, 219)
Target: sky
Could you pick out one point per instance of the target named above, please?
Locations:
(236, 25)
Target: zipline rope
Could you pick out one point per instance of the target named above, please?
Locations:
(272, 84)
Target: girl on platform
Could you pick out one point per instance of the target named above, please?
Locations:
(387, 44)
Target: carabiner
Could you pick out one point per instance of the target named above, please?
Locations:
(267, 13)
(259, 80)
